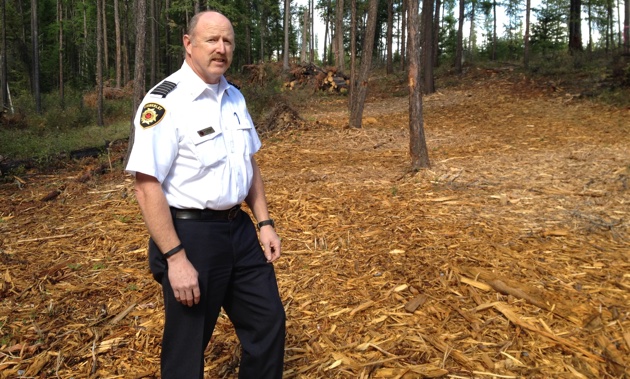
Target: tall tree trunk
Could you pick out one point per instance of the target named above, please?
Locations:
(589, 46)
(35, 41)
(105, 48)
(472, 39)
(326, 32)
(390, 37)
(99, 62)
(287, 20)
(626, 28)
(305, 30)
(153, 43)
(339, 53)
(167, 38)
(528, 9)
(118, 45)
(436, 33)
(83, 69)
(61, 83)
(427, 47)
(353, 53)
(459, 50)
(356, 108)
(4, 93)
(403, 32)
(494, 30)
(263, 28)
(140, 68)
(575, 26)
(417, 144)
(312, 39)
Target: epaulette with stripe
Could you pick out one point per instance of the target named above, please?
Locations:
(164, 88)
(234, 85)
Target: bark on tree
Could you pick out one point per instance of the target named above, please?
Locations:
(417, 144)
(35, 41)
(153, 43)
(312, 39)
(4, 94)
(494, 30)
(305, 30)
(287, 20)
(326, 32)
(459, 50)
(528, 8)
(60, 23)
(403, 31)
(140, 69)
(105, 48)
(356, 108)
(626, 29)
(99, 62)
(436, 33)
(472, 35)
(118, 45)
(427, 47)
(353, 52)
(390, 37)
(339, 53)
(575, 26)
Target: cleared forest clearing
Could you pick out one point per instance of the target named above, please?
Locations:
(509, 258)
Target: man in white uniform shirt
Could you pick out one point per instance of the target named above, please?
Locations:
(193, 160)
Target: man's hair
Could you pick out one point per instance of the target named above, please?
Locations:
(195, 19)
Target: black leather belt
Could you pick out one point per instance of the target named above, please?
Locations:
(205, 214)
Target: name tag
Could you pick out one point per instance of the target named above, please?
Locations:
(206, 131)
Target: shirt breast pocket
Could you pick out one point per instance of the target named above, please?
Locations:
(209, 148)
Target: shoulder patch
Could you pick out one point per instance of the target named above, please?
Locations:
(164, 88)
(152, 114)
(234, 85)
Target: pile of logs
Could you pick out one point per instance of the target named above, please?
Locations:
(323, 79)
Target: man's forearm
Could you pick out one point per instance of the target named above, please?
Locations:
(155, 212)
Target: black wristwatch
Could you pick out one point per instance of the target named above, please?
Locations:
(266, 222)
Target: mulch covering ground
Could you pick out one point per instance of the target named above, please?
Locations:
(508, 258)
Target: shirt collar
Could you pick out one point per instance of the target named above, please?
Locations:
(196, 85)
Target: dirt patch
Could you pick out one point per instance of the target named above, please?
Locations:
(508, 258)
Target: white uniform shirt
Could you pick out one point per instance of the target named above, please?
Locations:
(197, 143)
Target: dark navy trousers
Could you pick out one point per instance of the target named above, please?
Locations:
(233, 274)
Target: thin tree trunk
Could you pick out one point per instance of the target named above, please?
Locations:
(494, 30)
(353, 53)
(35, 42)
(105, 48)
(99, 62)
(61, 83)
(83, 68)
(390, 37)
(356, 108)
(118, 45)
(436, 33)
(339, 53)
(472, 39)
(326, 33)
(153, 43)
(305, 30)
(312, 39)
(140, 68)
(528, 9)
(626, 29)
(403, 32)
(459, 51)
(4, 93)
(417, 144)
(287, 20)
(427, 47)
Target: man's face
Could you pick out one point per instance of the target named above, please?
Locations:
(210, 48)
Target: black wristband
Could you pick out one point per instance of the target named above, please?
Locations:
(174, 251)
(266, 222)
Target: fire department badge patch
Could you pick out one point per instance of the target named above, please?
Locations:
(152, 114)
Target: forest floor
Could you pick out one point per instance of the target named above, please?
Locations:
(508, 258)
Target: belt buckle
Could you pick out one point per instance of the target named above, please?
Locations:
(232, 212)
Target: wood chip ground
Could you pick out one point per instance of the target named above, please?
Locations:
(508, 258)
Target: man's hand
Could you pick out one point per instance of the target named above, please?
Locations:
(183, 278)
(270, 243)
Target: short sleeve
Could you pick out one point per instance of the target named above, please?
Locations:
(155, 143)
